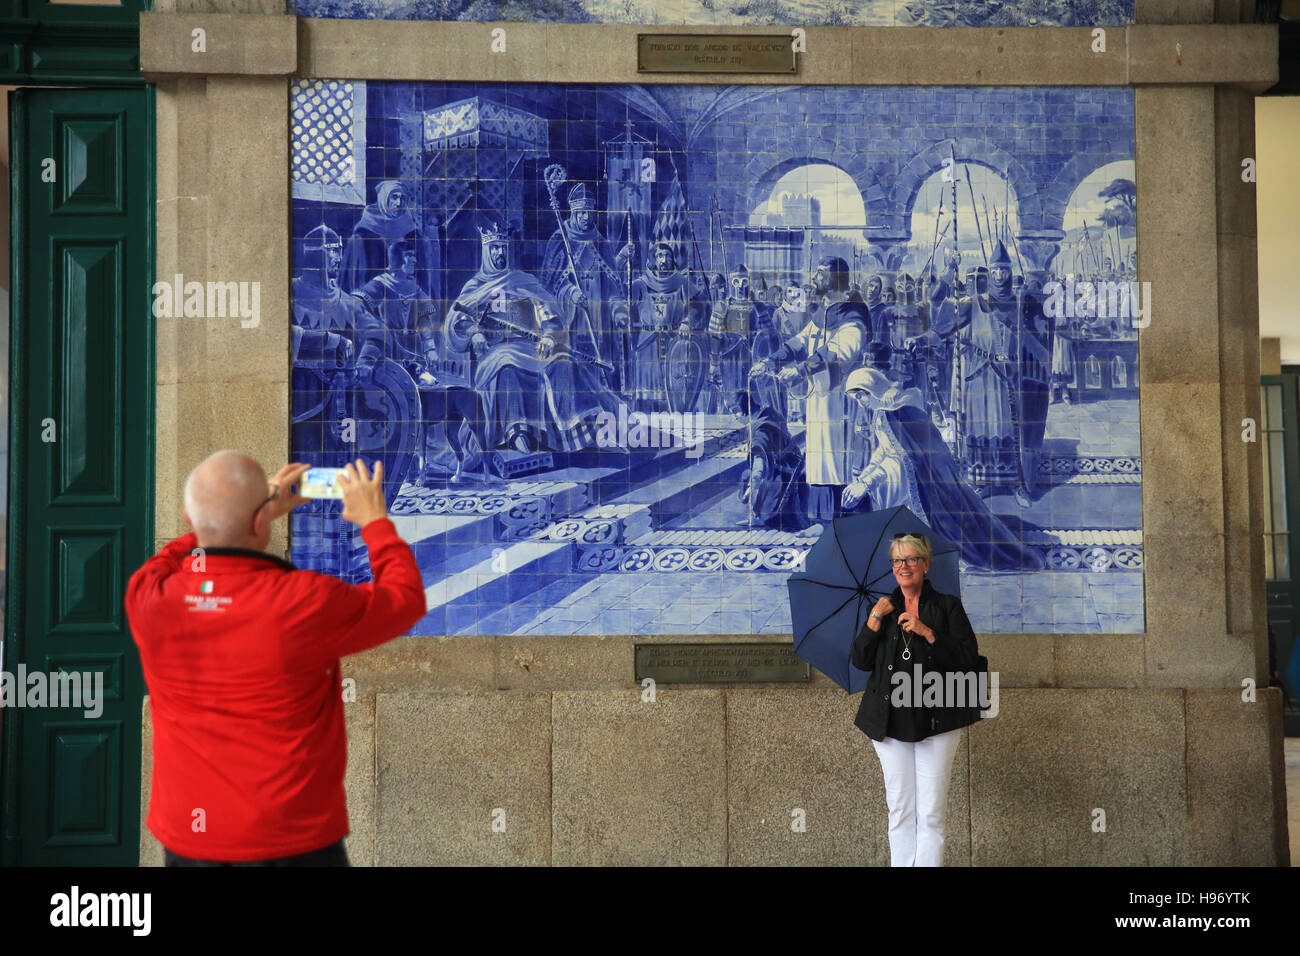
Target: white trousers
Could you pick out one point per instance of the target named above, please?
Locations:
(916, 789)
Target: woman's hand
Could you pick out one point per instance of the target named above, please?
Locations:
(914, 625)
(883, 607)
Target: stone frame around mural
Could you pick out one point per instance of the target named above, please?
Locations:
(1154, 725)
(1177, 109)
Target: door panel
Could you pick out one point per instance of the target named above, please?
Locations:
(1280, 446)
(81, 472)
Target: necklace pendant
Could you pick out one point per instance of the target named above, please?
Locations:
(907, 654)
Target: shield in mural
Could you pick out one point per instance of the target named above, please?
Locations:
(770, 391)
(389, 422)
(686, 367)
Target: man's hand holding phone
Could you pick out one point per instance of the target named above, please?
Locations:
(363, 493)
(284, 498)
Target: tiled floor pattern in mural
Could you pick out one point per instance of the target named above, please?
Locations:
(1096, 585)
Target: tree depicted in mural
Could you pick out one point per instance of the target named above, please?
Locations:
(1124, 192)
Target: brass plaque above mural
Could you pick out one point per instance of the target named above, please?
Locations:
(715, 53)
(601, 338)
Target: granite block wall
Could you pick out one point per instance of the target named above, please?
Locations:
(1140, 714)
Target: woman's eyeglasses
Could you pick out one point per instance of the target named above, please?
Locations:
(911, 561)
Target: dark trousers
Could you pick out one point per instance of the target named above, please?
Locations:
(332, 855)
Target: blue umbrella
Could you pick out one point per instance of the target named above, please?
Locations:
(844, 574)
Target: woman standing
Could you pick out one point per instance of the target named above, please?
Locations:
(913, 633)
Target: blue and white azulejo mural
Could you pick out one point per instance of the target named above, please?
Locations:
(875, 13)
(625, 350)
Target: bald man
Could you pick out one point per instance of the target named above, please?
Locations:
(241, 651)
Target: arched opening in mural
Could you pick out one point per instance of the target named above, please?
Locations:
(812, 211)
(964, 209)
(1118, 373)
(1100, 224)
(1092, 373)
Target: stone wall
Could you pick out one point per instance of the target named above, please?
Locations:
(1149, 727)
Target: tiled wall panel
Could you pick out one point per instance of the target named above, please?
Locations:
(616, 488)
(873, 13)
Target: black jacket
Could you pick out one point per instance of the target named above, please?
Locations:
(954, 650)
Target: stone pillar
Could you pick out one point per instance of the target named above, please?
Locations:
(1239, 370)
(1270, 356)
(886, 253)
(220, 385)
(1181, 419)
(1038, 251)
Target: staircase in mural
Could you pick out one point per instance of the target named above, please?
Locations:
(525, 556)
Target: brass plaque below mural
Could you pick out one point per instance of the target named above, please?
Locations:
(718, 663)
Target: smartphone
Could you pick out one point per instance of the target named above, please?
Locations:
(321, 483)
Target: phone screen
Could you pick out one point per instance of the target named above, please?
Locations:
(322, 483)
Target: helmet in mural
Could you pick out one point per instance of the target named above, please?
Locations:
(322, 251)
(580, 198)
(740, 282)
(904, 286)
(1000, 271)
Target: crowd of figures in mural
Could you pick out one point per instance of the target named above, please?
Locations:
(936, 13)
(611, 338)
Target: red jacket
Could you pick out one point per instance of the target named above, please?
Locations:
(241, 656)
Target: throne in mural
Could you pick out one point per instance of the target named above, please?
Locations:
(472, 153)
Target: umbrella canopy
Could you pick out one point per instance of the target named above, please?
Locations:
(845, 573)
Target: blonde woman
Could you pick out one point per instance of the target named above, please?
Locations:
(914, 632)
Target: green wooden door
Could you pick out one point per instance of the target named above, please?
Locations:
(81, 464)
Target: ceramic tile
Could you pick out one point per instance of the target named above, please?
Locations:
(605, 455)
